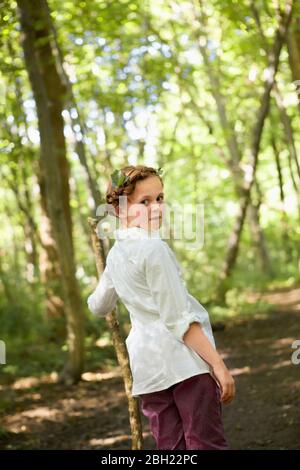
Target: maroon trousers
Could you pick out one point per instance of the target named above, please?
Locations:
(187, 415)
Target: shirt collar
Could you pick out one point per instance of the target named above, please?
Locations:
(135, 232)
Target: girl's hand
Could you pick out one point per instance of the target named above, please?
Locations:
(226, 382)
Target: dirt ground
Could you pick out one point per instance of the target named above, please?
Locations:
(43, 414)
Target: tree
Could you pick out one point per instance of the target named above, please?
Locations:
(49, 92)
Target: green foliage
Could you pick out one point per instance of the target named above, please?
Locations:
(239, 306)
(142, 92)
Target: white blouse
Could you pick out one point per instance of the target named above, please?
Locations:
(142, 270)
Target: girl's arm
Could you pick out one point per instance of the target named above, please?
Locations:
(170, 295)
(198, 341)
(104, 298)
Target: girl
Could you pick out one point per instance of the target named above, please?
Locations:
(178, 375)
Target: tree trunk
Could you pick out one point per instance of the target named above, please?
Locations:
(235, 154)
(232, 248)
(54, 308)
(47, 266)
(293, 43)
(49, 94)
(285, 234)
(258, 238)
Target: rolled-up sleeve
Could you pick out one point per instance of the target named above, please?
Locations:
(104, 298)
(168, 290)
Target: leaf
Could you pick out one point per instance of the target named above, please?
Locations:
(118, 178)
(115, 178)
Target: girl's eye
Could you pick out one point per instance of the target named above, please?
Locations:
(158, 197)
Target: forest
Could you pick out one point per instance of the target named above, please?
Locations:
(209, 91)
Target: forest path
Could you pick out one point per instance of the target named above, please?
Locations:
(43, 414)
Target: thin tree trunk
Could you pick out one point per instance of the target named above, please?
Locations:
(232, 249)
(284, 219)
(288, 130)
(235, 155)
(259, 238)
(7, 289)
(285, 119)
(293, 43)
(21, 191)
(28, 223)
(29, 229)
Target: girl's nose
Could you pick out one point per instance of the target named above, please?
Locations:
(154, 211)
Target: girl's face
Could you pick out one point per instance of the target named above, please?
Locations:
(145, 205)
